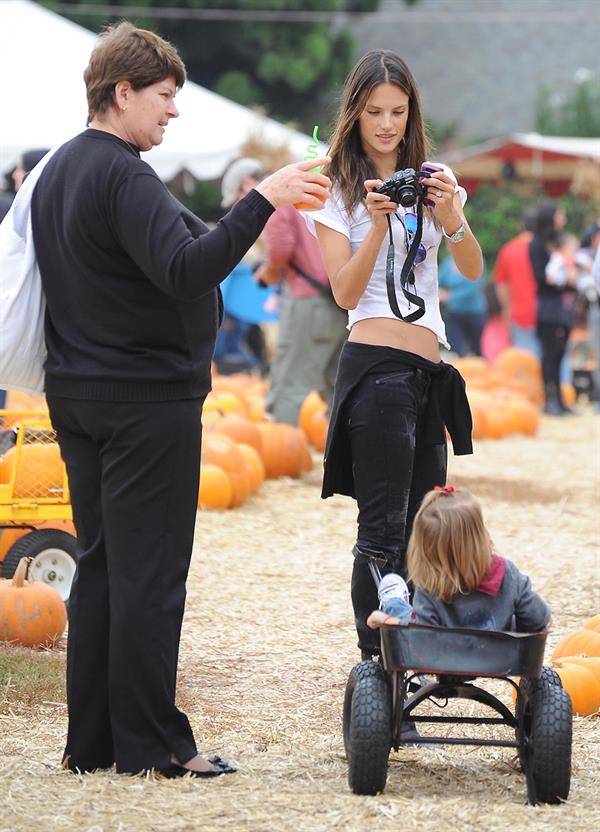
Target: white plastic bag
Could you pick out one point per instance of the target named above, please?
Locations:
(22, 303)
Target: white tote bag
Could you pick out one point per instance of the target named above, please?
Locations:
(22, 303)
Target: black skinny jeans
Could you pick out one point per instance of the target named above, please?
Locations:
(133, 474)
(553, 340)
(393, 470)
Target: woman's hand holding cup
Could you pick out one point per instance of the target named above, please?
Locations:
(297, 184)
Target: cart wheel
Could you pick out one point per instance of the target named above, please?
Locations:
(548, 745)
(53, 554)
(367, 727)
(528, 688)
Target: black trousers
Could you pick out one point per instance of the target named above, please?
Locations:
(553, 340)
(133, 473)
(393, 470)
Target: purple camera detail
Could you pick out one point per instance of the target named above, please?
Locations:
(426, 171)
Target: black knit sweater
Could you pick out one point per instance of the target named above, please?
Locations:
(130, 275)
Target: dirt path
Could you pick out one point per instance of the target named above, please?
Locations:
(268, 643)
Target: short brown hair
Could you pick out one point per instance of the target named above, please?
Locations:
(450, 549)
(126, 53)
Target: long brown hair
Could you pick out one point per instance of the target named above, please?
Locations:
(350, 166)
(450, 549)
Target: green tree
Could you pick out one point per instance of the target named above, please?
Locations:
(287, 68)
(575, 114)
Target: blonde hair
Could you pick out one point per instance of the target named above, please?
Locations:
(450, 549)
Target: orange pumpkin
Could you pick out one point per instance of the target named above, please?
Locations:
(581, 685)
(317, 430)
(256, 407)
(593, 624)
(574, 644)
(40, 470)
(569, 394)
(592, 663)
(254, 464)
(497, 422)
(283, 450)
(220, 450)
(31, 612)
(312, 404)
(215, 488)
(524, 416)
(241, 430)
(22, 404)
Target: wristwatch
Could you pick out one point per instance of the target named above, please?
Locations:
(458, 235)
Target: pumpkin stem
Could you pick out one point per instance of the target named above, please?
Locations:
(21, 572)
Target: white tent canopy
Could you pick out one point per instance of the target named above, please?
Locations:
(43, 57)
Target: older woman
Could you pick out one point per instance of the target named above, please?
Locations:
(131, 282)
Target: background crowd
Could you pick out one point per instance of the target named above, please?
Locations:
(538, 295)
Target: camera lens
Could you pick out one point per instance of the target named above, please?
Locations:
(407, 196)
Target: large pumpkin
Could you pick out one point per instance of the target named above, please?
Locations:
(220, 450)
(582, 641)
(581, 685)
(591, 663)
(31, 612)
(254, 464)
(318, 426)
(215, 488)
(240, 430)
(593, 624)
(40, 470)
(284, 450)
(312, 404)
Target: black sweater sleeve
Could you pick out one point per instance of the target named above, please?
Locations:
(151, 227)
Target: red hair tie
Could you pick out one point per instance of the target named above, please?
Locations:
(446, 489)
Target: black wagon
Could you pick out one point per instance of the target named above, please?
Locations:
(382, 697)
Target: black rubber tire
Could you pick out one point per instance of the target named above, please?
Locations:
(529, 688)
(34, 544)
(550, 740)
(367, 727)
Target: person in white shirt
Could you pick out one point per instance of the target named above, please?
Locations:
(394, 396)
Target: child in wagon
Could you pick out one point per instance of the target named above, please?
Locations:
(459, 581)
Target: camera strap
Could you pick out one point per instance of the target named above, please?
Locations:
(407, 277)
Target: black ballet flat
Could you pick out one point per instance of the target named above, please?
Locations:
(219, 762)
(174, 770)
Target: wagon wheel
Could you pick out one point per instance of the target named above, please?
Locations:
(53, 554)
(547, 746)
(528, 688)
(367, 727)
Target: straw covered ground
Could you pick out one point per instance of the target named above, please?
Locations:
(268, 643)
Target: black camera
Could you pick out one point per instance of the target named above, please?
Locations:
(404, 186)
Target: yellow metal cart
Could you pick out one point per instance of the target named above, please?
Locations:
(35, 501)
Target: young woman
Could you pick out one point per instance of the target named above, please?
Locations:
(555, 304)
(386, 445)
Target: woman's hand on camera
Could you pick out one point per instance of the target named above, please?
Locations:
(378, 205)
(441, 191)
(297, 183)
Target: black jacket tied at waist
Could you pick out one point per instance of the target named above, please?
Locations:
(447, 407)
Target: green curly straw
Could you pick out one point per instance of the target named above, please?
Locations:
(311, 150)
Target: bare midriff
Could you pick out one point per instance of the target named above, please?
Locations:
(387, 332)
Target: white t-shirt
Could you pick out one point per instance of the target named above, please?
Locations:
(374, 302)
